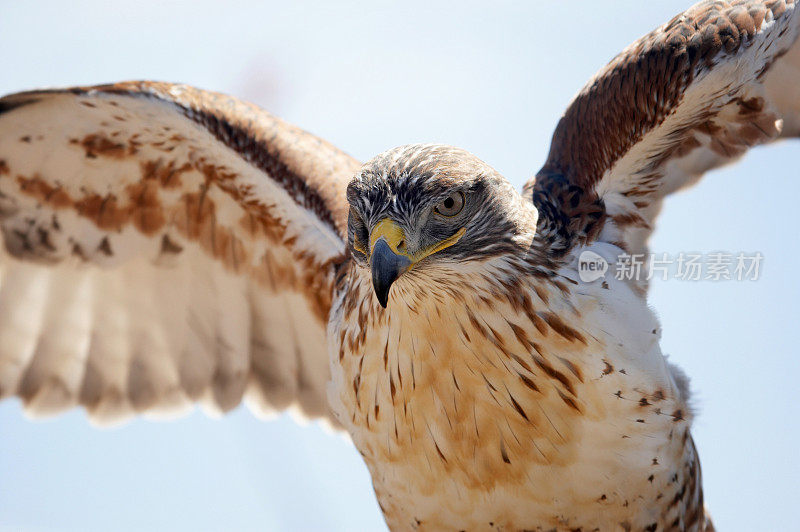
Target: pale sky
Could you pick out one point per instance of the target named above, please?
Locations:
(492, 78)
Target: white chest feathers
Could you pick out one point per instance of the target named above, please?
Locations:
(532, 406)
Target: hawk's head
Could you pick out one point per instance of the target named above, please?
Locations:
(432, 207)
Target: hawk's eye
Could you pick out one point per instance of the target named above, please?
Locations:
(451, 205)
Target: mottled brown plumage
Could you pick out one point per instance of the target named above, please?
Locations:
(166, 245)
(646, 98)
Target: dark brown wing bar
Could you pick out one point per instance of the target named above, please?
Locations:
(164, 245)
(312, 170)
(704, 82)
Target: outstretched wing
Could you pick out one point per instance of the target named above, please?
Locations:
(692, 95)
(164, 245)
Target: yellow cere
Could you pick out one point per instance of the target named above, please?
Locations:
(395, 238)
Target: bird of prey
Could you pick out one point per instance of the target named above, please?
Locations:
(165, 245)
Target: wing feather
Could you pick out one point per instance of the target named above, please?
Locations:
(164, 246)
(688, 97)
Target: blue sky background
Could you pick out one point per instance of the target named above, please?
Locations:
(492, 78)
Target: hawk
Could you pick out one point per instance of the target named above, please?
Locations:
(165, 246)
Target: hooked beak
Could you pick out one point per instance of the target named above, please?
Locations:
(389, 258)
(387, 266)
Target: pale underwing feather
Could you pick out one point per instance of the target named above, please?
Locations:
(164, 246)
